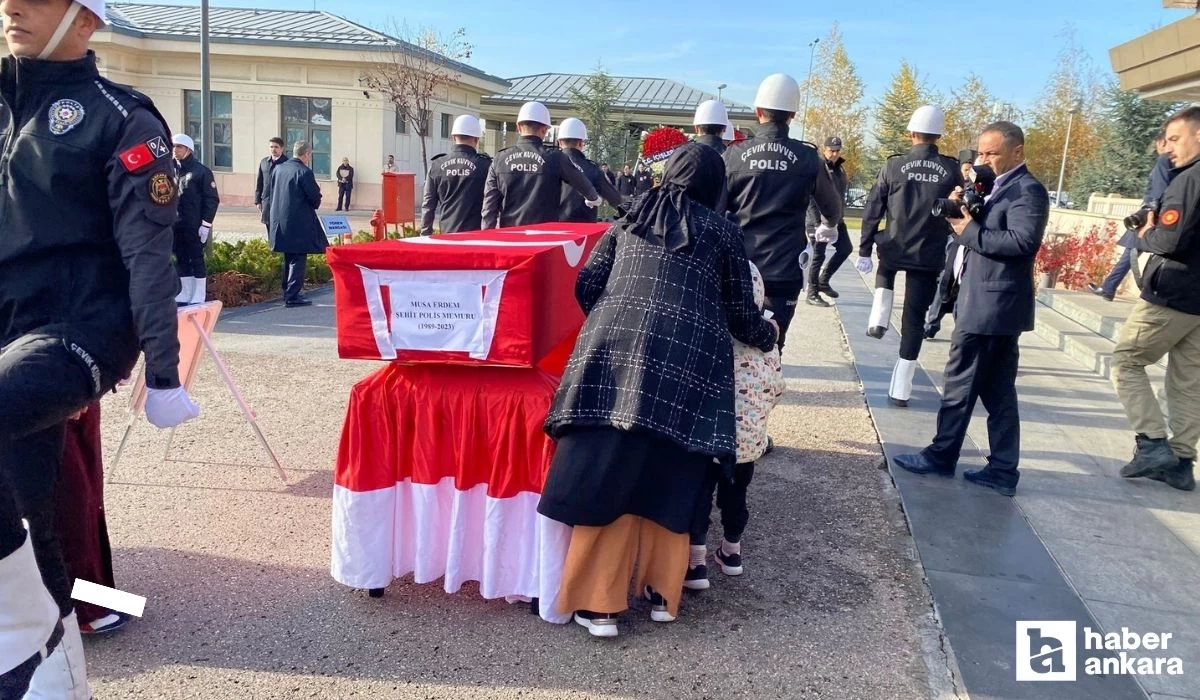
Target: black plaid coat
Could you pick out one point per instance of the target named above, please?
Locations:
(655, 350)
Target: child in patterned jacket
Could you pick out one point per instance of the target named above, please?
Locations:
(758, 386)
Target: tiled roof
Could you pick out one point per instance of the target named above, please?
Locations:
(277, 27)
(637, 94)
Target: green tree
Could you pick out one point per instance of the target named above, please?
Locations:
(971, 107)
(835, 107)
(595, 103)
(1072, 86)
(1125, 154)
(905, 94)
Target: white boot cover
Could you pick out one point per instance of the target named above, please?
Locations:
(187, 286)
(63, 675)
(881, 308)
(902, 379)
(27, 612)
(199, 290)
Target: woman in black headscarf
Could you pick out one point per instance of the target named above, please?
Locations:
(646, 402)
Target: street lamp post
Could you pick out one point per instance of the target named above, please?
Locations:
(1062, 168)
(206, 137)
(720, 87)
(812, 52)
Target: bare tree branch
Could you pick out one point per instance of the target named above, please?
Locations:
(413, 75)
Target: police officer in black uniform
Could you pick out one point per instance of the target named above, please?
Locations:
(771, 178)
(913, 242)
(454, 187)
(198, 202)
(571, 135)
(87, 201)
(524, 183)
(711, 122)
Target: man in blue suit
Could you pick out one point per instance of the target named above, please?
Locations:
(995, 305)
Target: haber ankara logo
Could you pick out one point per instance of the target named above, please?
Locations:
(144, 154)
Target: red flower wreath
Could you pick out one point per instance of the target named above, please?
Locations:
(659, 143)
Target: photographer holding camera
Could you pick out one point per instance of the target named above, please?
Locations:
(1160, 177)
(1166, 321)
(995, 305)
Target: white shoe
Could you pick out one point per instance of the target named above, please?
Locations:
(28, 614)
(63, 675)
(187, 286)
(199, 290)
(900, 390)
(658, 606)
(599, 626)
(881, 312)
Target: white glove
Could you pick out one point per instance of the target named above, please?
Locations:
(593, 203)
(864, 265)
(825, 234)
(167, 408)
(205, 229)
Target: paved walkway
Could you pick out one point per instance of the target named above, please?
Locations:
(241, 605)
(1077, 543)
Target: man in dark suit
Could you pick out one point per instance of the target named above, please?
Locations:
(262, 183)
(995, 305)
(295, 230)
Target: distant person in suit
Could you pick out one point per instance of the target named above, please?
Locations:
(995, 305)
(345, 180)
(262, 182)
(644, 180)
(625, 183)
(608, 174)
(1160, 177)
(391, 166)
(295, 230)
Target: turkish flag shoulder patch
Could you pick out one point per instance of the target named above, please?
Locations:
(137, 158)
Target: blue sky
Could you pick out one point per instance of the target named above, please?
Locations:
(1011, 44)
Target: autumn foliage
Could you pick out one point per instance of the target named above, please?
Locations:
(1078, 260)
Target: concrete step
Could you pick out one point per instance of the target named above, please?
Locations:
(1093, 314)
(1104, 318)
(1088, 349)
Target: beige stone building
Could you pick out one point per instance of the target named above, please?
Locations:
(1165, 63)
(294, 74)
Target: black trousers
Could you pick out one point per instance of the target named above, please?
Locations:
(295, 266)
(919, 289)
(980, 367)
(731, 499)
(780, 300)
(947, 290)
(189, 253)
(344, 198)
(841, 251)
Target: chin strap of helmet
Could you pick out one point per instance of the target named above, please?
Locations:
(59, 33)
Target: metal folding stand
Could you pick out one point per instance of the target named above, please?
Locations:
(138, 402)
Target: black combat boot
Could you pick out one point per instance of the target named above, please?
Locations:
(1152, 455)
(1180, 476)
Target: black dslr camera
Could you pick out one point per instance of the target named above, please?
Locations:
(972, 196)
(1138, 219)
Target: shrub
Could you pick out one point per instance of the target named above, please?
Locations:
(247, 272)
(1078, 260)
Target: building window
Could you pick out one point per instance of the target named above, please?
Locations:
(446, 125)
(222, 128)
(401, 123)
(309, 119)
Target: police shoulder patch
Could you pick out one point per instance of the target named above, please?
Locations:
(896, 155)
(162, 190)
(1170, 217)
(440, 155)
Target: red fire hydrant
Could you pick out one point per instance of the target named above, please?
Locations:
(378, 225)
